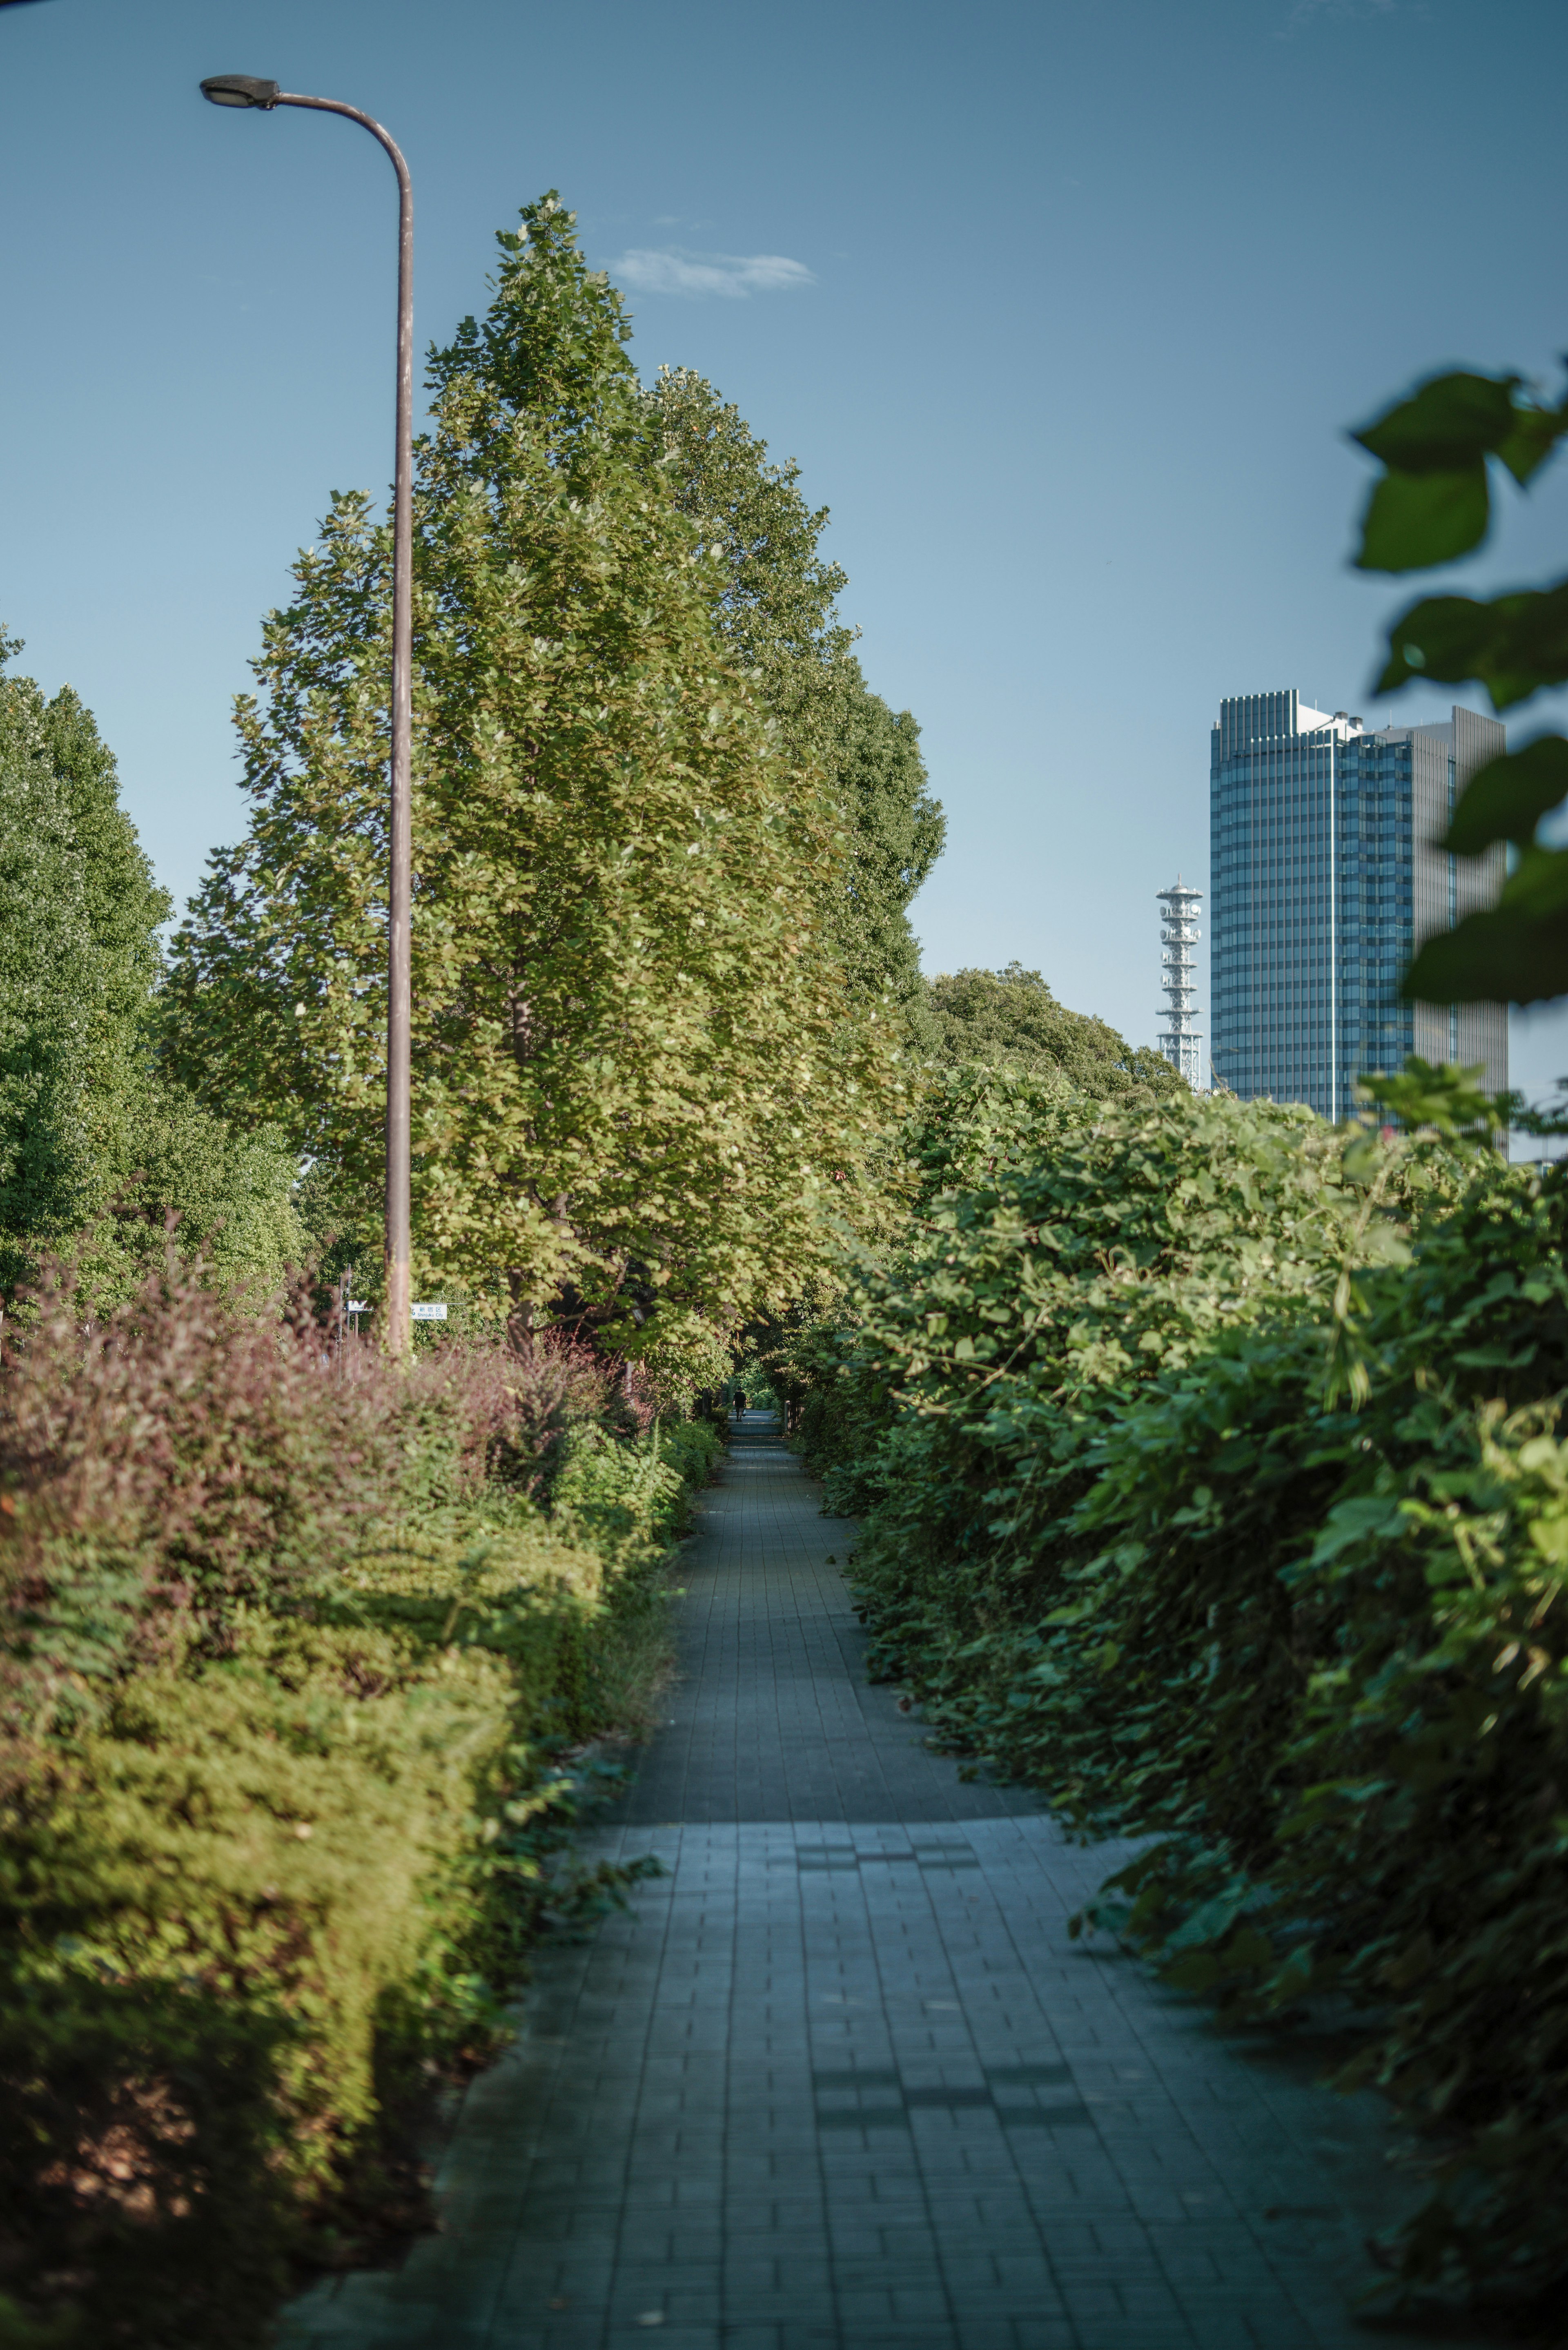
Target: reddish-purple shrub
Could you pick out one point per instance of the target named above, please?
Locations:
(179, 1455)
(261, 1859)
(470, 1411)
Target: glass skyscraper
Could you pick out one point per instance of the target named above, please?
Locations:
(1324, 880)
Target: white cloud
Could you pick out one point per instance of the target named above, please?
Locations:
(670, 269)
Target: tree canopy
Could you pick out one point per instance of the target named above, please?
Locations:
(89, 1137)
(637, 1072)
(778, 617)
(1009, 1019)
(78, 909)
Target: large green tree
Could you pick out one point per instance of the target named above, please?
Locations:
(636, 1073)
(1009, 1019)
(95, 1151)
(896, 830)
(776, 614)
(79, 910)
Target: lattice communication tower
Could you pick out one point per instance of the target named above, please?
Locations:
(1179, 933)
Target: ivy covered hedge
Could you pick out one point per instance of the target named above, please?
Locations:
(292, 1652)
(1213, 1479)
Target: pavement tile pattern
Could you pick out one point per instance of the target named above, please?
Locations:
(839, 2079)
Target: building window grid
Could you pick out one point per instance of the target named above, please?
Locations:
(1318, 972)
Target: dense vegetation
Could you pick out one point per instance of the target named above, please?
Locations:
(304, 1660)
(1209, 1459)
(1010, 1020)
(94, 1140)
(1210, 1477)
(775, 617)
(639, 1060)
(297, 1652)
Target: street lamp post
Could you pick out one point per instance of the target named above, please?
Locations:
(245, 89)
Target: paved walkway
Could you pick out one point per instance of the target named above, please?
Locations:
(839, 2079)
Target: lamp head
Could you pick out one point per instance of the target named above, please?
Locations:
(240, 89)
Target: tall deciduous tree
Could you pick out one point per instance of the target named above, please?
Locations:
(1010, 1020)
(634, 1080)
(897, 830)
(777, 616)
(89, 1137)
(79, 910)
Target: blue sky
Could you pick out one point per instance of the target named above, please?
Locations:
(1064, 310)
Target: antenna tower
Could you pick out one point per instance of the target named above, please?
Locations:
(1182, 1043)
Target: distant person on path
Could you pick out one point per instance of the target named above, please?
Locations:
(740, 1405)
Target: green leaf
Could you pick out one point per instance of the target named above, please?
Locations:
(1433, 503)
(1507, 954)
(1535, 434)
(1248, 1947)
(1452, 422)
(1512, 646)
(1446, 1100)
(1416, 520)
(1374, 1515)
(1539, 883)
(1506, 799)
(1195, 1970)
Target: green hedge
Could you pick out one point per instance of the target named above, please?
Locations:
(1213, 1482)
(291, 1662)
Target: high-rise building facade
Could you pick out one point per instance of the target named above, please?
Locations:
(1324, 880)
(1181, 1040)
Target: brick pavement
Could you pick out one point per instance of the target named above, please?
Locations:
(839, 2079)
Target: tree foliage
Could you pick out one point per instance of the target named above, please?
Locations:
(878, 776)
(1009, 1019)
(1211, 1477)
(78, 909)
(635, 1072)
(776, 616)
(96, 1153)
(1432, 506)
(1211, 1474)
(775, 592)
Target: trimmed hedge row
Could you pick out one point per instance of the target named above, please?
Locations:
(292, 1653)
(1213, 1480)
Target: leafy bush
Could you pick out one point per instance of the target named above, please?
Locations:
(1095, 1245)
(1214, 1481)
(620, 1489)
(292, 1647)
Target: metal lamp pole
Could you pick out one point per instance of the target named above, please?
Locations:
(244, 90)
